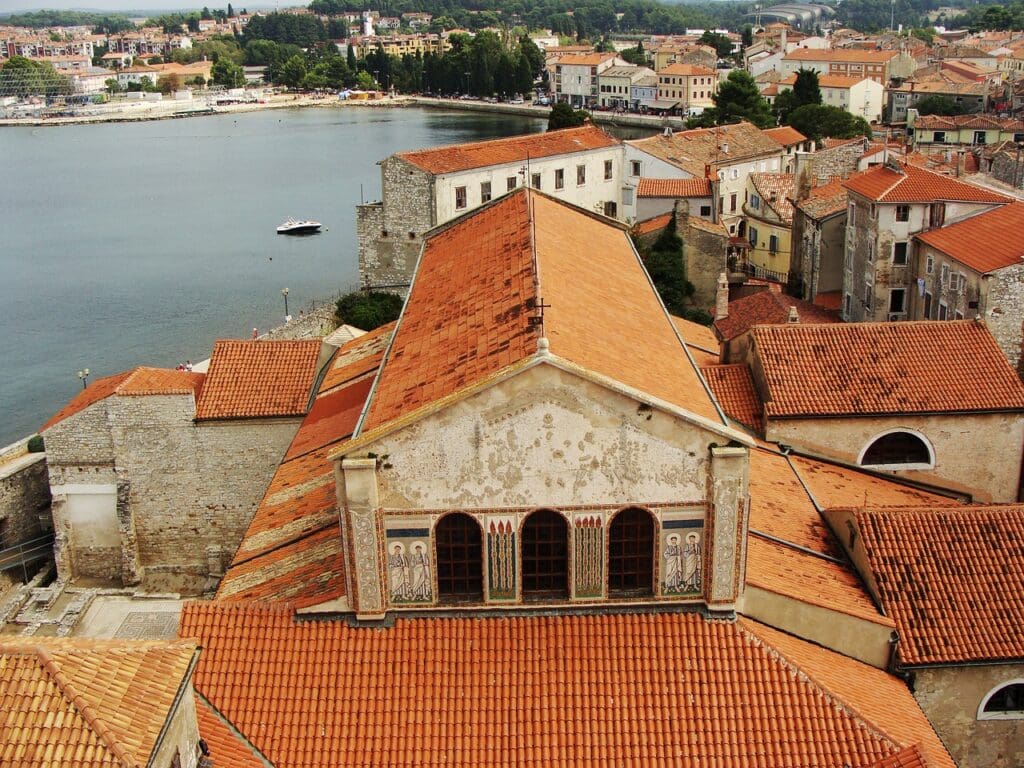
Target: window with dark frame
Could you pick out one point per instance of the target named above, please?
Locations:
(902, 213)
(899, 253)
(897, 448)
(607, 169)
(460, 197)
(581, 174)
(559, 178)
(460, 575)
(1007, 700)
(510, 183)
(631, 554)
(545, 556)
(485, 191)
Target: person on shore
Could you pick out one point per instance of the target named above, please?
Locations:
(188, 366)
(255, 334)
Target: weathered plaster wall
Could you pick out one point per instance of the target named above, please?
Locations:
(977, 454)
(950, 697)
(181, 737)
(543, 438)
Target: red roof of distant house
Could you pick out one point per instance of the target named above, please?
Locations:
(911, 184)
(855, 369)
(768, 308)
(971, 241)
(136, 382)
(734, 389)
(653, 225)
(785, 135)
(675, 188)
(251, 379)
(953, 579)
(686, 70)
(516, 149)
(468, 691)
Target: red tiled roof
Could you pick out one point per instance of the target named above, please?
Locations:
(653, 225)
(136, 382)
(917, 185)
(840, 54)
(768, 308)
(357, 357)
(718, 147)
(467, 316)
(953, 579)
(463, 157)
(954, 122)
(227, 748)
(824, 200)
(910, 757)
(676, 188)
(250, 379)
(586, 60)
(829, 300)
(469, 691)
(775, 190)
(971, 242)
(686, 70)
(858, 369)
(696, 335)
(733, 387)
(785, 135)
(86, 703)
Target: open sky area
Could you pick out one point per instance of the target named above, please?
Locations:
(12, 6)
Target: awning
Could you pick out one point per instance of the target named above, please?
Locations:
(659, 104)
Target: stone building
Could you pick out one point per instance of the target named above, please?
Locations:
(846, 391)
(576, 77)
(962, 646)
(767, 224)
(521, 518)
(888, 205)
(656, 197)
(769, 306)
(687, 89)
(97, 703)
(967, 270)
(156, 473)
(931, 131)
(24, 496)
(423, 189)
(818, 243)
(615, 85)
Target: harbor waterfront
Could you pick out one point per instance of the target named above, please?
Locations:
(140, 244)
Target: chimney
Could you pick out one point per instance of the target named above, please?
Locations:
(782, 42)
(793, 317)
(722, 297)
(961, 154)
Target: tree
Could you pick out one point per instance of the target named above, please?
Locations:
(20, 76)
(636, 55)
(206, 15)
(738, 99)
(166, 84)
(368, 309)
(816, 121)
(231, 11)
(365, 81)
(350, 57)
(665, 265)
(564, 116)
(111, 85)
(293, 72)
(721, 43)
(225, 72)
(806, 89)
(748, 36)
(938, 105)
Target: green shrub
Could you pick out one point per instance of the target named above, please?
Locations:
(368, 309)
(35, 444)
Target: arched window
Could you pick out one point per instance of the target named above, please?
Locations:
(460, 575)
(895, 448)
(1004, 702)
(545, 553)
(631, 554)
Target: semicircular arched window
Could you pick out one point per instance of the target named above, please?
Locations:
(545, 556)
(631, 554)
(897, 448)
(1005, 702)
(460, 574)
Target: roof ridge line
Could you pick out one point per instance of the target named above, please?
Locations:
(824, 690)
(85, 709)
(283, 544)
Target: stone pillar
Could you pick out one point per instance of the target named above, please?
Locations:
(131, 567)
(722, 297)
(63, 553)
(726, 534)
(358, 504)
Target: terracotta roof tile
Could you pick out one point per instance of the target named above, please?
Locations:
(917, 185)
(227, 748)
(953, 579)
(883, 701)
(251, 379)
(586, 59)
(785, 135)
(653, 225)
(675, 188)
(873, 368)
(980, 122)
(840, 54)
(463, 157)
(835, 486)
(696, 335)
(686, 70)
(477, 691)
(467, 316)
(332, 417)
(768, 308)
(824, 200)
(775, 190)
(910, 757)
(86, 703)
(357, 357)
(733, 387)
(971, 242)
(717, 147)
(137, 382)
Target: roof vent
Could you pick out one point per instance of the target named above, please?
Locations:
(793, 317)
(725, 148)
(667, 133)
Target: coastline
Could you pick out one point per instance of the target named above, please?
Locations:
(134, 112)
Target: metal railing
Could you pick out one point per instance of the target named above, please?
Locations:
(20, 555)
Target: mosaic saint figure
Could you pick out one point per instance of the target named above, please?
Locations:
(398, 573)
(691, 557)
(673, 557)
(420, 572)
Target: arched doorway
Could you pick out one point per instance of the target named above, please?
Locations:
(631, 554)
(460, 575)
(544, 550)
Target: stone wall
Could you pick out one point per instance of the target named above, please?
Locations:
(816, 260)
(817, 168)
(704, 257)
(1006, 167)
(951, 696)
(1004, 312)
(391, 231)
(24, 496)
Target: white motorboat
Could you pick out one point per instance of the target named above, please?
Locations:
(294, 227)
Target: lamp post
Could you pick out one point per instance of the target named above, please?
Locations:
(84, 376)
(467, 83)
(376, 72)
(284, 292)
